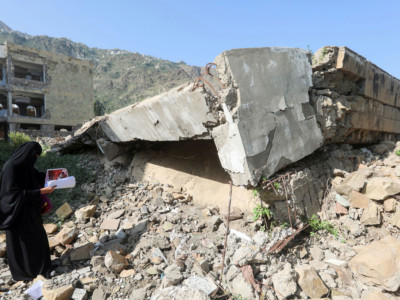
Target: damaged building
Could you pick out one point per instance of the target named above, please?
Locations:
(251, 114)
(43, 92)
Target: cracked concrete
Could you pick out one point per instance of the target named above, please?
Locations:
(271, 109)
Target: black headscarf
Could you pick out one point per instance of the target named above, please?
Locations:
(19, 182)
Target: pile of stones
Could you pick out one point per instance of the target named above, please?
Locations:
(142, 240)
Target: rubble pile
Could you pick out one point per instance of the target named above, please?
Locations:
(143, 240)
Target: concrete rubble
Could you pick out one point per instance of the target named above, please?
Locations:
(166, 246)
(258, 125)
(259, 112)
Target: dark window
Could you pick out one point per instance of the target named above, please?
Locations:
(28, 71)
(30, 126)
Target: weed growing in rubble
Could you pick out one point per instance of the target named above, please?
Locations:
(239, 297)
(317, 224)
(277, 186)
(398, 152)
(255, 193)
(324, 51)
(261, 212)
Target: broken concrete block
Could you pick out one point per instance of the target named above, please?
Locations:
(356, 180)
(358, 200)
(85, 212)
(310, 282)
(371, 215)
(79, 294)
(389, 205)
(173, 276)
(341, 210)
(64, 211)
(285, 281)
(342, 200)
(200, 283)
(127, 273)
(66, 235)
(50, 228)
(383, 270)
(83, 252)
(115, 262)
(108, 148)
(61, 293)
(110, 224)
(381, 188)
(53, 242)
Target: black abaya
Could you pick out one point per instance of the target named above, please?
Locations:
(27, 245)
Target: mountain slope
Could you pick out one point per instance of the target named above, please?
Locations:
(120, 77)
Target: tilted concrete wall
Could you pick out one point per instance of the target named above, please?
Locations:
(271, 124)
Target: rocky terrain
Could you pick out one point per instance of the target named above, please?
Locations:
(144, 240)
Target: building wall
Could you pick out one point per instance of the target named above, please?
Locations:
(67, 87)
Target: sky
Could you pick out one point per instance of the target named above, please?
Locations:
(197, 31)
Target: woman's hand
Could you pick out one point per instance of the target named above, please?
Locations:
(47, 190)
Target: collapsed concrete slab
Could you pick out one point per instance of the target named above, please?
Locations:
(258, 114)
(259, 111)
(175, 115)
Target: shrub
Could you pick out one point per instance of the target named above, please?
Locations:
(18, 138)
(51, 160)
(5, 152)
(261, 212)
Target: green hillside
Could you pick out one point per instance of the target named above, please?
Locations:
(120, 77)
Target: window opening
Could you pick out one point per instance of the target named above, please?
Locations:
(3, 105)
(28, 71)
(30, 105)
(30, 126)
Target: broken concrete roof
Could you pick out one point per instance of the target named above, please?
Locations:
(171, 116)
(255, 106)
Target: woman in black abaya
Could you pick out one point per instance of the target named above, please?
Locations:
(20, 202)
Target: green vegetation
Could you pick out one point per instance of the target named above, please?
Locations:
(239, 297)
(51, 160)
(261, 212)
(317, 225)
(277, 186)
(325, 51)
(18, 138)
(398, 152)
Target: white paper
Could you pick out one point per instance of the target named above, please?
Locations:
(63, 183)
(35, 291)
